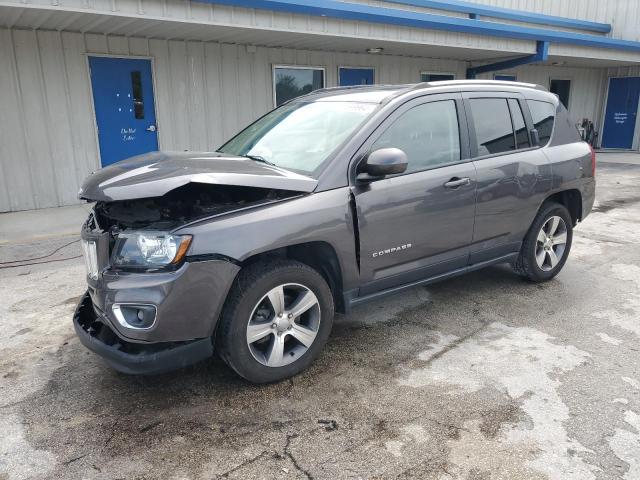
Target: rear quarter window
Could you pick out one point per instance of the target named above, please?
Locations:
(543, 115)
(492, 120)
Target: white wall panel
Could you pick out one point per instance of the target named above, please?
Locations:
(623, 15)
(204, 93)
(16, 188)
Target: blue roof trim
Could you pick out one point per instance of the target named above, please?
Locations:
(507, 14)
(541, 55)
(392, 16)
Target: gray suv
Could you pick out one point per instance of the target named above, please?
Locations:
(333, 199)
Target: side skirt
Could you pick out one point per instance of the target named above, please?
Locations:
(351, 299)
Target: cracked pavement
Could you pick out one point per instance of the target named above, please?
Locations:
(481, 377)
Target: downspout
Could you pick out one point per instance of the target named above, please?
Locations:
(541, 55)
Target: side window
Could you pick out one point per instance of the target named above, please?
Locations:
(494, 132)
(543, 116)
(522, 136)
(428, 134)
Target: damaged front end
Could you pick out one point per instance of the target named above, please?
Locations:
(140, 230)
(147, 300)
(189, 203)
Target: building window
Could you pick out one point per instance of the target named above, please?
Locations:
(495, 136)
(505, 78)
(436, 77)
(291, 82)
(348, 76)
(561, 88)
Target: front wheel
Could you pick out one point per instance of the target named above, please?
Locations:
(276, 320)
(547, 244)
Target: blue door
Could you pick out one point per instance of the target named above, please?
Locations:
(355, 76)
(622, 110)
(124, 106)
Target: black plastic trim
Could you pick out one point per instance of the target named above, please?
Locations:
(132, 358)
(350, 301)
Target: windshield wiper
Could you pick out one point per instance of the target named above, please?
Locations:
(258, 158)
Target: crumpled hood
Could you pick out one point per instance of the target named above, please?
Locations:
(157, 173)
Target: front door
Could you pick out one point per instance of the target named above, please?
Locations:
(621, 114)
(418, 224)
(124, 106)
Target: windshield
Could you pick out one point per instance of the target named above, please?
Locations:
(299, 136)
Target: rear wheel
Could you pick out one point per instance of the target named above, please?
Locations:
(276, 320)
(546, 247)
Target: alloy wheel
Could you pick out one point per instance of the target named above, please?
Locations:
(551, 243)
(283, 325)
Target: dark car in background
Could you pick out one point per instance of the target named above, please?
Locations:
(333, 199)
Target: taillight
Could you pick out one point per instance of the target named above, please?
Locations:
(593, 161)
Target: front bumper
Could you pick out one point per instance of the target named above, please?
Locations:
(134, 358)
(187, 301)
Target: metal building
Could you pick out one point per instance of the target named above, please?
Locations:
(84, 83)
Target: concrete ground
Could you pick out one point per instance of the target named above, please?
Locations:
(46, 223)
(481, 377)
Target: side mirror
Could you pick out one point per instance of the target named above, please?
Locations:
(383, 162)
(535, 137)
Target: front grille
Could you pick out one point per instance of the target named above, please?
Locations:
(92, 222)
(96, 247)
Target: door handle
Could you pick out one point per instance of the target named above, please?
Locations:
(151, 128)
(456, 182)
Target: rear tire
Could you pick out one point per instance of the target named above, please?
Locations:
(547, 244)
(276, 320)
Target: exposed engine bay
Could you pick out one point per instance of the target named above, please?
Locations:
(185, 204)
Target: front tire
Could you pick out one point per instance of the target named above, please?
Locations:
(276, 320)
(547, 245)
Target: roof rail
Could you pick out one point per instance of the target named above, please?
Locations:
(456, 83)
(377, 86)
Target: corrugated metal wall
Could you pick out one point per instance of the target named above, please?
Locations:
(194, 20)
(623, 15)
(205, 92)
(47, 136)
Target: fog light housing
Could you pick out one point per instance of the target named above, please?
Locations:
(136, 316)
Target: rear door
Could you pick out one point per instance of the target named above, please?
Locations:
(513, 176)
(420, 223)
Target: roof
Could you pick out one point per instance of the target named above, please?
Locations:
(382, 93)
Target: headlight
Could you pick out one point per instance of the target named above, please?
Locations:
(149, 249)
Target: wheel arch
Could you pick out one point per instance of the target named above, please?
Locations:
(571, 199)
(319, 255)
